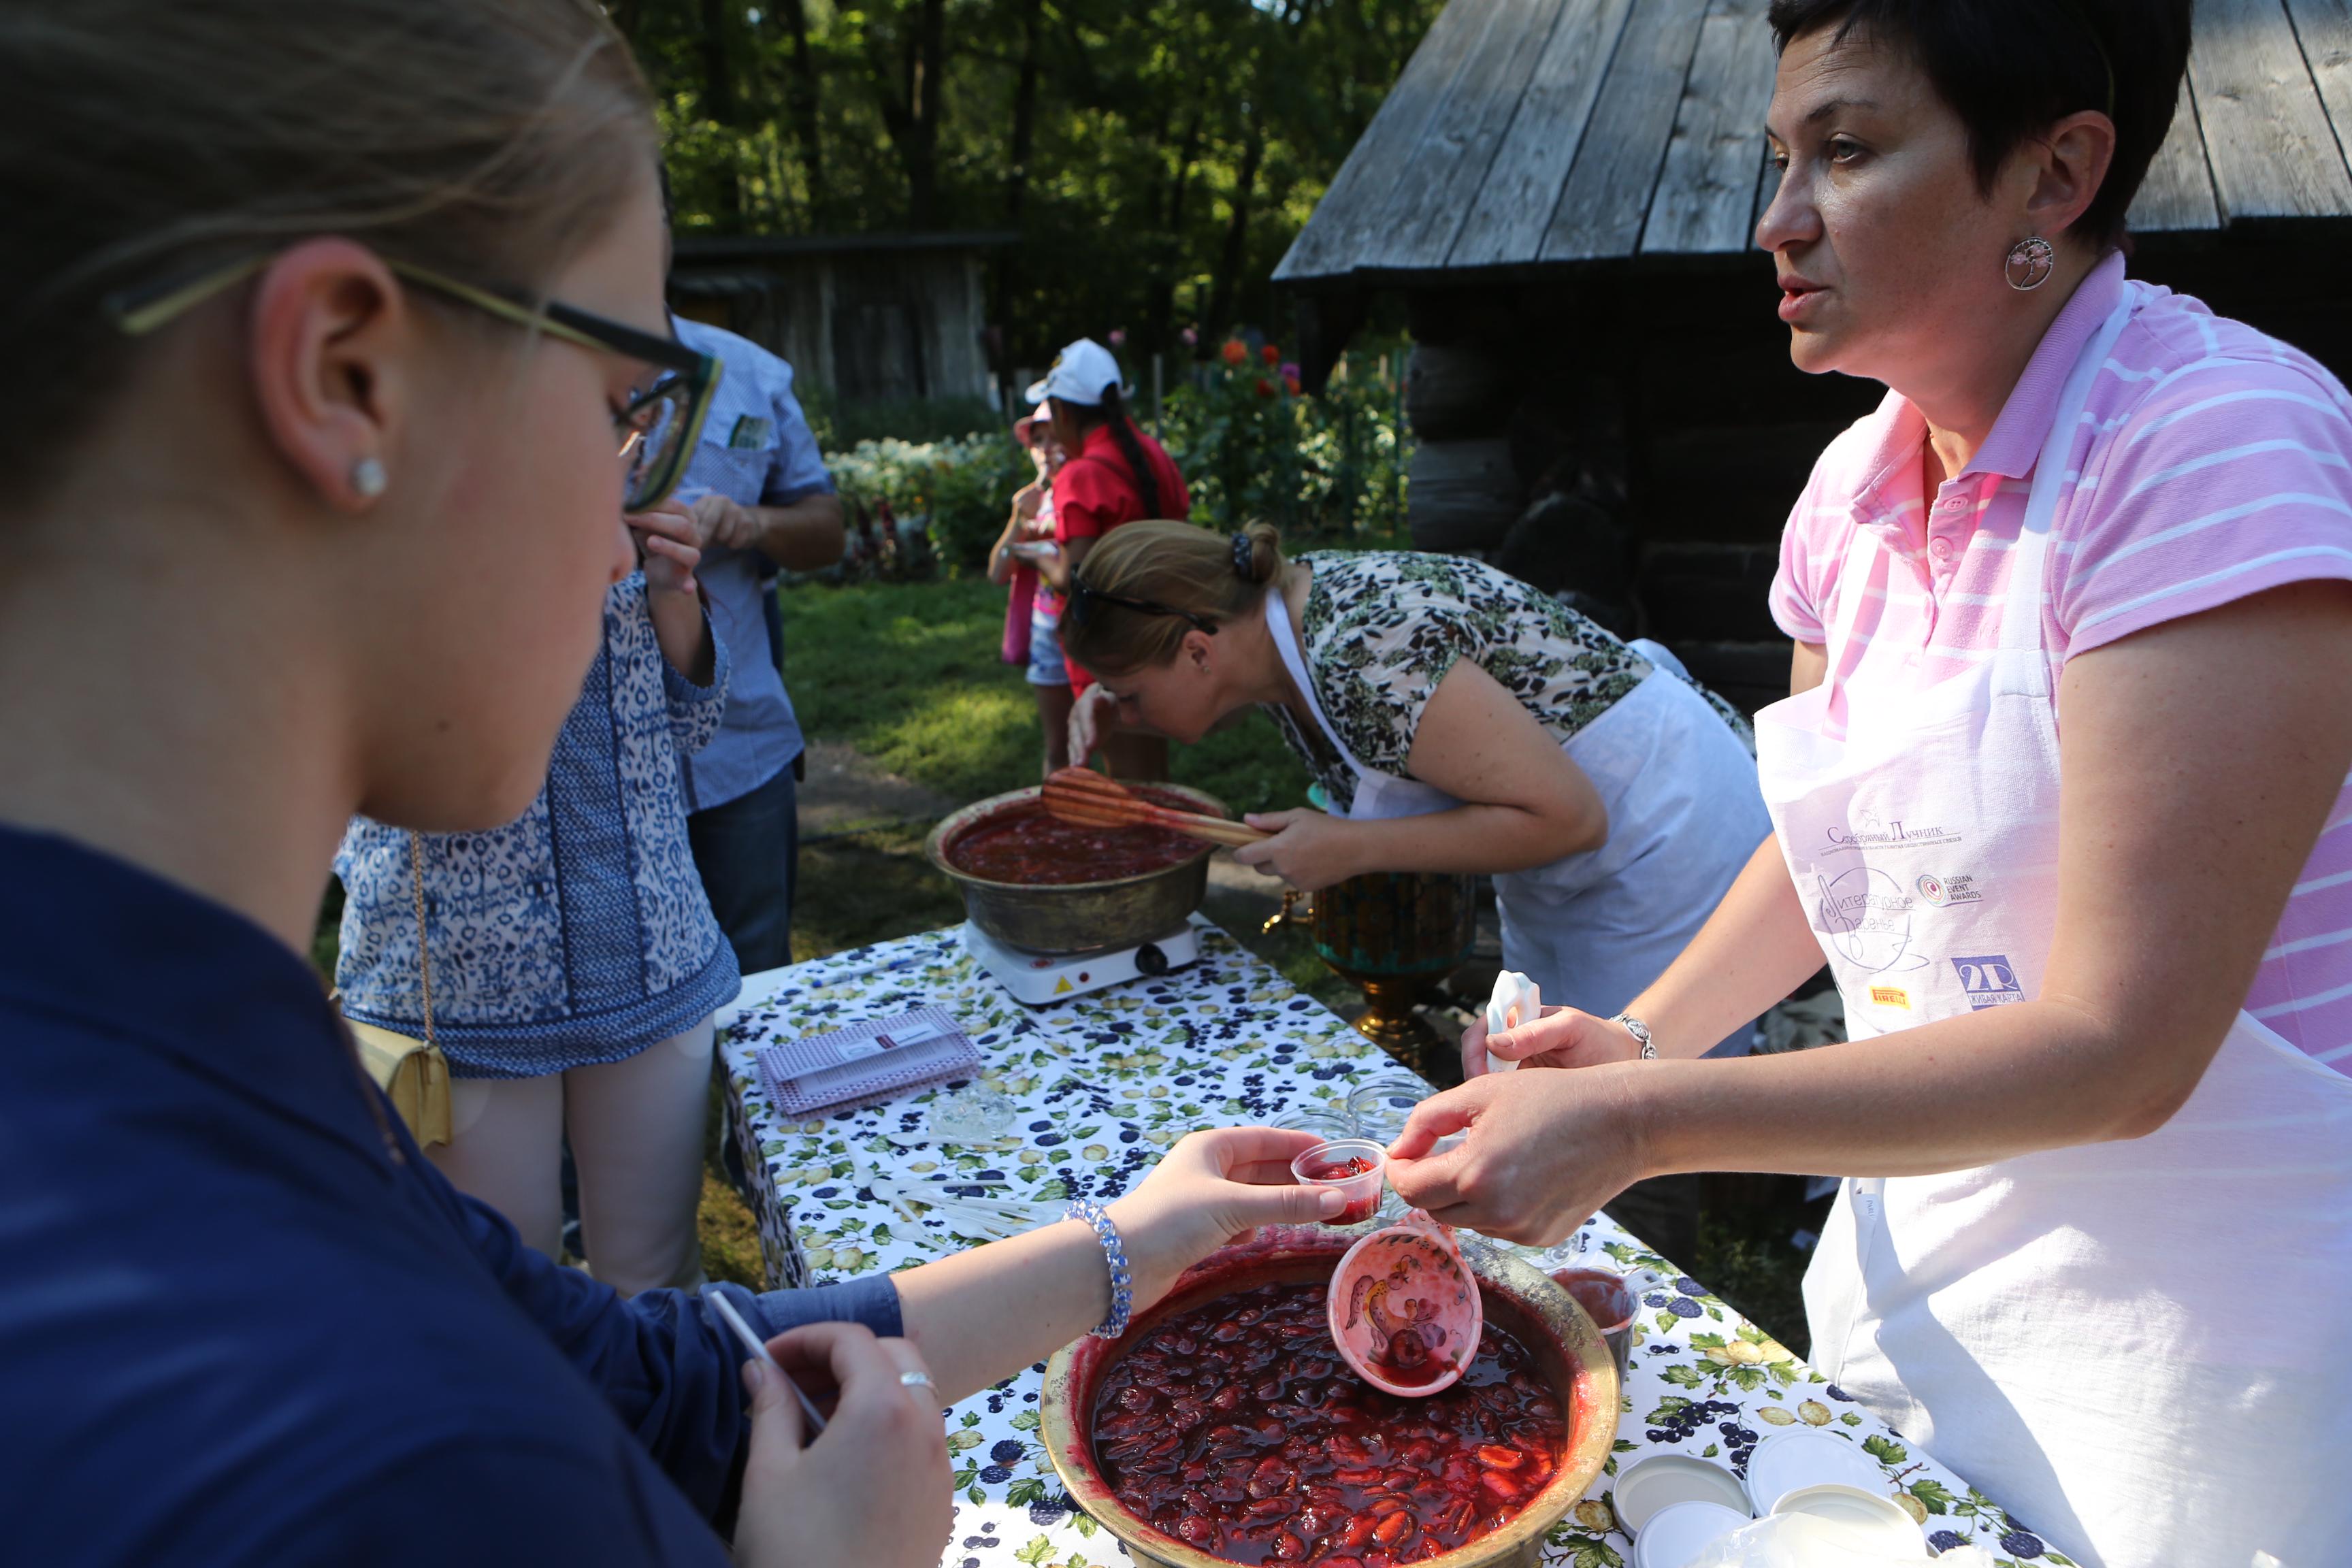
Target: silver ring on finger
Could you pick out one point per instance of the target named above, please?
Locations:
(926, 1390)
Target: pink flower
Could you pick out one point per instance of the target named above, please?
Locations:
(1118, 337)
(1190, 335)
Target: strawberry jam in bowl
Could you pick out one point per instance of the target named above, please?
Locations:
(1223, 1427)
(1032, 882)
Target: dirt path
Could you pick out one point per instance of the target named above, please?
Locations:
(846, 791)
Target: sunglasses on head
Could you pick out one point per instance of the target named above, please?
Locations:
(657, 429)
(1083, 598)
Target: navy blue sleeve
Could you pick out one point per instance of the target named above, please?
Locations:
(495, 1503)
(664, 1362)
(872, 1300)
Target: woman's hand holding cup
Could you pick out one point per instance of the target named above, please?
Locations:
(1560, 1037)
(1210, 1189)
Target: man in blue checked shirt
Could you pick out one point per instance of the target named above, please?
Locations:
(760, 492)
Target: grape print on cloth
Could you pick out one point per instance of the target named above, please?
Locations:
(1100, 1084)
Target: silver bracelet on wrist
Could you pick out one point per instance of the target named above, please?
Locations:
(1641, 1033)
(1122, 1285)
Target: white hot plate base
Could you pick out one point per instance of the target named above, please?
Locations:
(1037, 978)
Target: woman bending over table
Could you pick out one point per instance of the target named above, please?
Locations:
(344, 310)
(1457, 719)
(2060, 794)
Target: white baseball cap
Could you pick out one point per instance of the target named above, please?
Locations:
(1081, 374)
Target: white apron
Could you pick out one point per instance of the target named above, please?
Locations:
(1593, 929)
(2137, 1348)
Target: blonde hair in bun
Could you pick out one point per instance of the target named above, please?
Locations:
(1185, 570)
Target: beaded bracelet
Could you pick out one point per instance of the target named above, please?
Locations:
(1122, 1284)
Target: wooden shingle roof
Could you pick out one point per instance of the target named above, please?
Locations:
(1530, 135)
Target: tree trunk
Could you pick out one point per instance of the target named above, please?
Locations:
(1016, 176)
(718, 103)
(801, 100)
(1024, 114)
(718, 79)
(926, 80)
(1229, 263)
(1159, 314)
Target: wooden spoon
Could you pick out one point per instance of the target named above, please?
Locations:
(1086, 798)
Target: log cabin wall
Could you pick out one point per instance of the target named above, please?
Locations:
(1562, 192)
(866, 318)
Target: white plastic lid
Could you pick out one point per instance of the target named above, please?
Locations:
(1806, 1457)
(1645, 1489)
(1873, 1520)
(1680, 1531)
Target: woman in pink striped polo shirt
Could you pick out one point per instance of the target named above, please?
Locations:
(2060, 794)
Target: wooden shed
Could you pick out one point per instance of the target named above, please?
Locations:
(1564, 193)
(867, 317)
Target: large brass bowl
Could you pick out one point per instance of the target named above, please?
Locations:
(1568, 1350)
(1076, 917)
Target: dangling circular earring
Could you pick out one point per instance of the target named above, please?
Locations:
(2030, 263)
(368, 478)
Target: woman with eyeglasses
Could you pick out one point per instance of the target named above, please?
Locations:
(1457, 719)
(2060, 796)
(330, 318)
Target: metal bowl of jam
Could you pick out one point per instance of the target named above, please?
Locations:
(1218, 1430)
(1032, 882)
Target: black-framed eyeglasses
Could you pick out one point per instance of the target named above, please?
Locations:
(1081, 596)
(657, 428)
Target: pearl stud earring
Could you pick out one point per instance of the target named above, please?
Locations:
(368, 478)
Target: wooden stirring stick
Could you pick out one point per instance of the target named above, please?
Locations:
(1086, 798)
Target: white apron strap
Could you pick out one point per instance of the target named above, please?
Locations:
(2021, 666)
(1293, 659)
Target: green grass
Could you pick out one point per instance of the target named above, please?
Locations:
(1745, 1256)
(866, 888)
(909, 674)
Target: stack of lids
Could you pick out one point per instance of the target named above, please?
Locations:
(1678, 1506)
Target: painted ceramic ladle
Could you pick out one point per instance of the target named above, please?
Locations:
(1405, 1311)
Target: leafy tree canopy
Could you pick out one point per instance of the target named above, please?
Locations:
(1156, 156)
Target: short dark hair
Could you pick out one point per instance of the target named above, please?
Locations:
(2011, 69)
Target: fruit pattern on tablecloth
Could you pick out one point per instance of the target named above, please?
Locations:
(1101, 1084)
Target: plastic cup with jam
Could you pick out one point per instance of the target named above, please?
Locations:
(1612, 1300)
(1352, 1167)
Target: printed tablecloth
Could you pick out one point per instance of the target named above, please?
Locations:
(1102, 1083)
